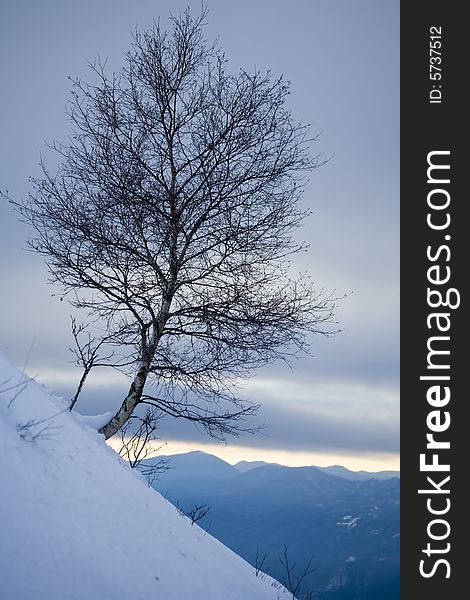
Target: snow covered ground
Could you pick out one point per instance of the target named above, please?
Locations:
(78, 524)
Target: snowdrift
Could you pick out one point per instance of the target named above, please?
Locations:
(78, 524)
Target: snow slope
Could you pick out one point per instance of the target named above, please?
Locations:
(78, 524)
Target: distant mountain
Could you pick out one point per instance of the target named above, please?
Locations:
(197, 467)
(359, 475)
(350, 522)
(195, 471)
(244, 466)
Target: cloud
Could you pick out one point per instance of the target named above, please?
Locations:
(346, 395)
(297, 414)
(347, 417)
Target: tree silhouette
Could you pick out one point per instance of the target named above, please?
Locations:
(170, 219)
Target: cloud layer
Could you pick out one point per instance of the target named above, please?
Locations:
(343, 61)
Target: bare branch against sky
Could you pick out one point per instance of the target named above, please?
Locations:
(342, 60)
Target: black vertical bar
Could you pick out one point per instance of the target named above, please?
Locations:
(434, 119)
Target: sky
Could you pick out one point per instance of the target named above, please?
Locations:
(341, 403)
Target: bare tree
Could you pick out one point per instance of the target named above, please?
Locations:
(260, 559)
(171, 220)
(294, 579)
(198, 512)
(86, 355)
(138, 437)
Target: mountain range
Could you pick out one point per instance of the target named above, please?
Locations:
(348, 521)
(243, 466)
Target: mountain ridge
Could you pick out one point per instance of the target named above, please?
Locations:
(244, 466)
(351, 525)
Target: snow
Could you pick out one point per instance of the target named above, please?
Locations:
(349, 521)
(94, 421)
(76, 523)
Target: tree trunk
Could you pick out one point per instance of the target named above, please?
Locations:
(137, 386)
(128, 406)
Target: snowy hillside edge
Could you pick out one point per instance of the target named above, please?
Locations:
(76, 523)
